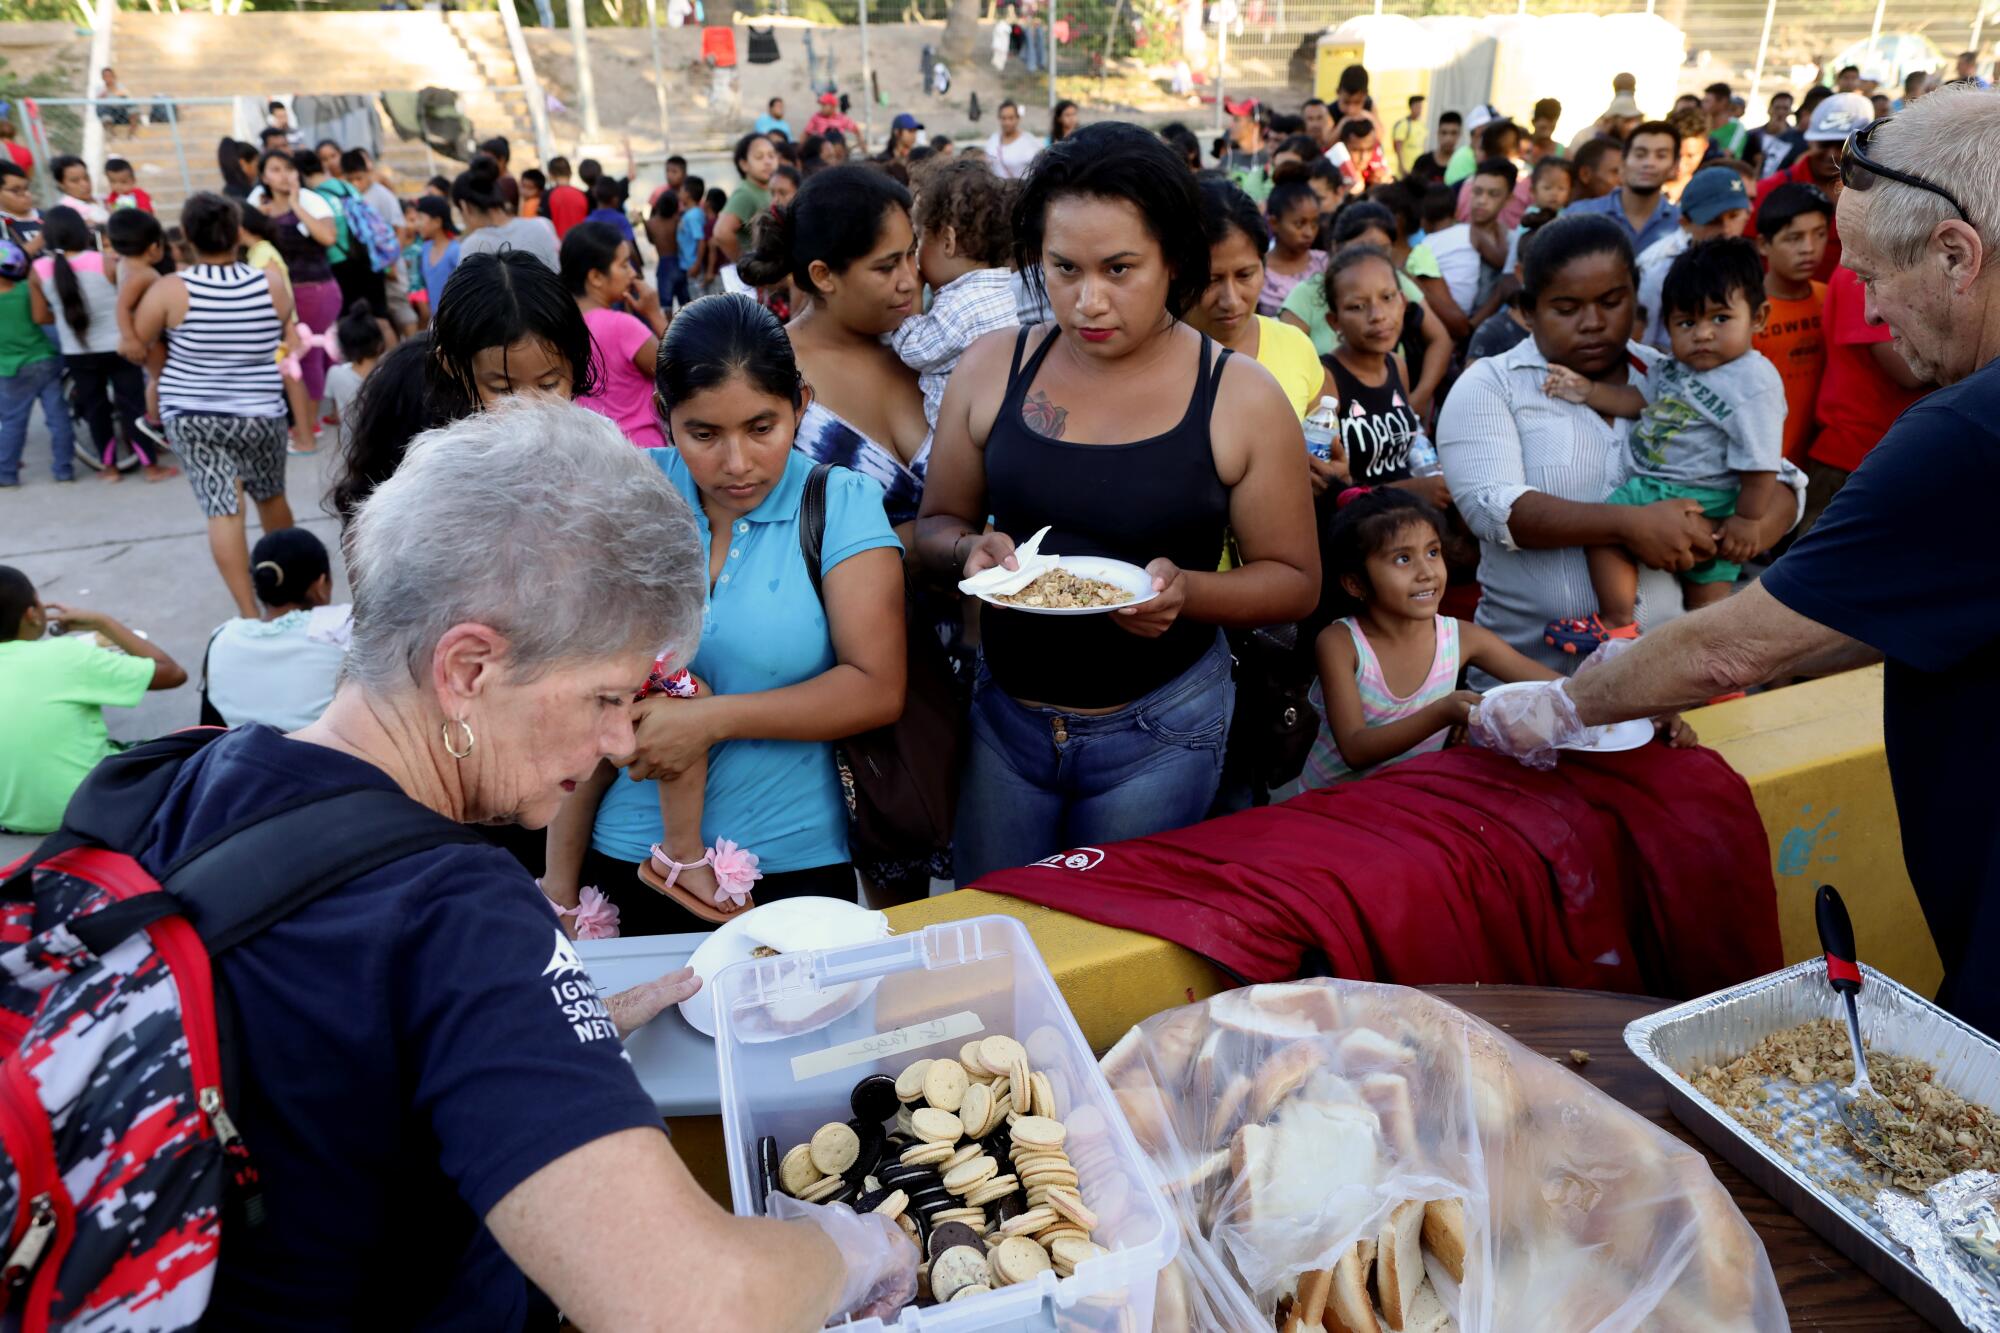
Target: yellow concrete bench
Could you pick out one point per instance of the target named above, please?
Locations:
(1812, 755)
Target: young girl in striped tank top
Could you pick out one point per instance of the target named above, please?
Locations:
(1388, 672)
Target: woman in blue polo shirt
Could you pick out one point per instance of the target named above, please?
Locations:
(789, 674)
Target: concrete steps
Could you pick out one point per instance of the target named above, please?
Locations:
(273, 54)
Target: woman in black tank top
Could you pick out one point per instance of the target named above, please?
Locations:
(1128, 435)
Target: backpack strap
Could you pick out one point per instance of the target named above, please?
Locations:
(247, 876)
(248, 879)
(812, 523)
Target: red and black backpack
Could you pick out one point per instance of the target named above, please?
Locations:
(118, 1157)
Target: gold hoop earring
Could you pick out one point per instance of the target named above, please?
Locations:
(445, 729)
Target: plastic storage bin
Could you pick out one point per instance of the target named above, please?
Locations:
(931, 993)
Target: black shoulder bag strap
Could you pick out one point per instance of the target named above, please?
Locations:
(812, 524)
(210, 715)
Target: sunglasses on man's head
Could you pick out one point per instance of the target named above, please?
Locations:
(1858, 171)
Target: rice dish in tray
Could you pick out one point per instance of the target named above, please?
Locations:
(1930, 1130)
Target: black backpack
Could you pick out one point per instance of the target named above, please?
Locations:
(119, 1160)
(900, 782)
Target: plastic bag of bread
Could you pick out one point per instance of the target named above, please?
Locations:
(1358, 1158)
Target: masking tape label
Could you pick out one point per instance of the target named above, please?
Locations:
(951, 1027)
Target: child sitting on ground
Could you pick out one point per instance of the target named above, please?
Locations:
(1388, 670)
(1711, 430)
(360, 337)
(141, 245)
(55, 683)
(962, 212)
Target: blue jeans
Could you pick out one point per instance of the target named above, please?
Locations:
(37, 381)
(1039, 781)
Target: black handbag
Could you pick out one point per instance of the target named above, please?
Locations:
(900, 782)
(763, 46)
(1272, 732)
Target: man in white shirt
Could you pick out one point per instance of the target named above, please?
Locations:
(1010, 148)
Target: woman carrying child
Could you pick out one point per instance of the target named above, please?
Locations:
(1710, 429)
(601, 273)
(793, 670)
(79, 298)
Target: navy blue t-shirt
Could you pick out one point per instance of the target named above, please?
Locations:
(416, 1043)
(1902, 563)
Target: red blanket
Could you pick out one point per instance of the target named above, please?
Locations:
(1645, 872)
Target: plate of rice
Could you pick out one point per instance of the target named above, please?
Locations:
(1078, 585)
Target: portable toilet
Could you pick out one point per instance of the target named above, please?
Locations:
(1460, 52)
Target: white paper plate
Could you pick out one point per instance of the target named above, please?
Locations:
(1611, 739)
(790, 925)
(1117, 572)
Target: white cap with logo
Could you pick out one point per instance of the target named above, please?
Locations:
(1839, 116)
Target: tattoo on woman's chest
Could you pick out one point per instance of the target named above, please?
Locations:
(1043, 416)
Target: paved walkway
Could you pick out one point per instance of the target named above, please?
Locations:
(139, 551)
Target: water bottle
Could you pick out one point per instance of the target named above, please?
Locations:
(1322, 429)
(1424, 456)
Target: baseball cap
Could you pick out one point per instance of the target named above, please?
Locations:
(1713, 192)
(829, 99)
(1479, 117)
(13, 262)
(905, 121)
(1839, 116)
(1245, 106)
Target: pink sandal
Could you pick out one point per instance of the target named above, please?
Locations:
(735, 871)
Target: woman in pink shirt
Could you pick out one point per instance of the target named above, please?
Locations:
(598, 269)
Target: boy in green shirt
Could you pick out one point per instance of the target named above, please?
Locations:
(52, 696)
(30, 372)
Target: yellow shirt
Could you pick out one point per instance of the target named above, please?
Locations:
(1288, 354)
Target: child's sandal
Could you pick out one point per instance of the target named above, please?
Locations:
(661, 874)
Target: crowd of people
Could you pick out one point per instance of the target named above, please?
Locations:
(649, 578)
(1570, 363)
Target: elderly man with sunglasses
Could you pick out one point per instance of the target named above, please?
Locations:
(1903, 567)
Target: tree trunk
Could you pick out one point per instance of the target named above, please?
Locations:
(961, 32)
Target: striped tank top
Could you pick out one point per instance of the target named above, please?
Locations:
(1380, 704)
(222, 358)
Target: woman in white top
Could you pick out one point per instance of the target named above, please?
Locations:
(279, 667)
(1011, 148)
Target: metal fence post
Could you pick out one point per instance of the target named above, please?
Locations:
(659, 79)
(1763, 49)
(180, 148)
(1050, 24)
(867, 86)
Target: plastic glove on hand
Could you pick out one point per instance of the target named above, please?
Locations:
(880, 1261)
(1529, 724)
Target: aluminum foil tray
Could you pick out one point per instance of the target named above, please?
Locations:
(1715, 1029)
